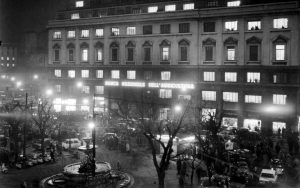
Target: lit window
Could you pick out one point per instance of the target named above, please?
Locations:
(184, 97)
(152, 9)
(165, 53)
(13, 58)
(165, 75)
(164, 113)
(169, 8)
(207, 112)
(115, 74)
(99, 90)
(2, 58)
(79, 4)
(99, 32)
(230, 53)
(131, 74)
(231, 26)
(84, 33)
(84, 54)
(233, 3)
(71, 73)
(280, 52)
(71, 34)
(84, 73)
(230, 96)
(57, 35)
(209, 95)
(75, 16)
(230, 76)
(115, 31)
(85, 108)
(280, 23)
(70, 108)
(57, 73)
(131, 31)
(58, 88)
(99, 73)
(188, 6)
(209, 76)
(7, 58)
(253, 99)
(165, 93)
(13, 65)
(253, 77)
(85, 89)
(279, 99)
(99, 54)
(254, 25)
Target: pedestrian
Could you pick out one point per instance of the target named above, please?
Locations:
(178, 165)
(283, 132)
(277, 148)
(198, 174)
(118, 166)
(279, 132)
(52, 154)
(183, 171)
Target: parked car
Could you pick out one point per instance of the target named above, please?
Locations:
(47, 143)
(268, 176)
(73, 142)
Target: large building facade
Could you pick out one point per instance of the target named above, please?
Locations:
(241, 58)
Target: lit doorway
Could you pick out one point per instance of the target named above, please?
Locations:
(229, 122)
(278, 125)
(252, 124)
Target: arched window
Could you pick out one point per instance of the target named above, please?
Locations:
(253, 50)
(56, 52)
(165, 47)
(99, 52)
(130, 51)
(84, 52)
(280, 49)
(183, 46)
(147, 52)
(114, 52)
(71, 52)
(230, 47)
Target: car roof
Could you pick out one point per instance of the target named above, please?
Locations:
(269, 171)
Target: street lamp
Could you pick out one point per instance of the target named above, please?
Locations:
(49, 92)
(177, 108)
(35, 76)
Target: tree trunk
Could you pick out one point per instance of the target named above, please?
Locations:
(192, 176)
(43, 145)
(161, 179)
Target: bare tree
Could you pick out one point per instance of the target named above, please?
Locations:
(44, 120)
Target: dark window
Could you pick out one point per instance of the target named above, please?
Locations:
(212, 3)
(114, 54)
(147, 29)
(136, 11)
(147, 75)
(208, 53)
(183, 53)
(184, 28)
(165, 28)
(130, 54)
(209, 27)
(279, 78)
(147, 54)
(56, 55)
(71, 55)
(253, 54)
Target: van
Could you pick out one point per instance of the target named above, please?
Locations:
(73, 142)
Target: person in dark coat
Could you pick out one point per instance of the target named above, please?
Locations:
(277, 148)
(279, 132)
(178, 165)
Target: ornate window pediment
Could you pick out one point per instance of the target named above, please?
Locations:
(231, 40)
(130, 44)
(280, 39)
(70, 45)
(209, 41)
(165, 43)
(184, 42)
(56, 46)
(253, 40)
(147, 43)
(114, 45)
(99, 45)
(84, 45)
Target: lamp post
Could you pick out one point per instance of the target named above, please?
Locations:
(92, 126)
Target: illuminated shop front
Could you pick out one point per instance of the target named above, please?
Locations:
(252, 124)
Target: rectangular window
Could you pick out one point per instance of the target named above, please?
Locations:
(230, 77)
(184, 28)
(164, 113)
(147, 29)
(152, 9)
(165, 28)
(280, 23)
(84, 55)
(57, 35)
(209, 76)
(230, 96)
(71, 55)
(280, 78)
(169, 8)
(84, 33)
(280, 52)
(114, 54)
(131, 74)
(136, 11)
(279, 99)
(253, 53)
(56, 55)
(57, 88)
(85, 89)
(131, 31)
(130, 54)
(165, 75)
(254, 25)
(165, 93)
(115, 74)
(209, 27)
(209, 53)
(165, 53)
(79, 4)
(233, 3)
(183, 53)
(212, 3)
(71, 34)
(57, 73)
(75, 16)
(84, 73)
(99, 32)
(99, 90)
(253, 99)
(230, 53)
(253, 77)
(71, 73)
(188, 6)
(231, 26)
(209, 95)
(99, 73)
(148, 75)
(147, 54)
(115, 31)
(99, 54)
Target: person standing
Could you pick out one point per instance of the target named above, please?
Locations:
(277, 148)
(178, 165)
(279, 132)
